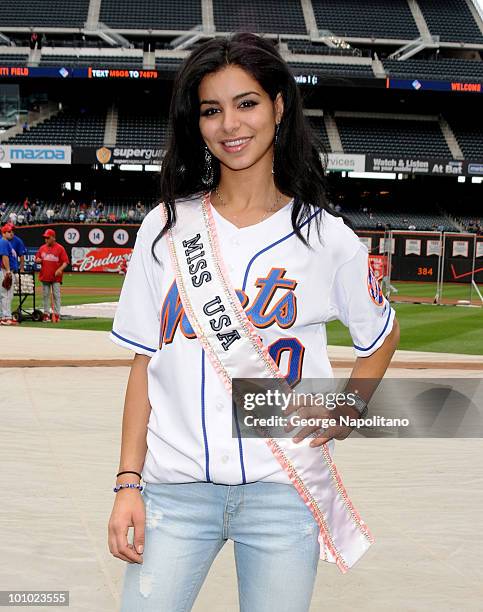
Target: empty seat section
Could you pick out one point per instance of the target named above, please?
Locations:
(67, 128)
(145, 125)
(318, 125)
(269, 16)
(366, 18)
(49, 13)
(12, 59)
(151, 14)
(96, 61)
(392, 137)
(441, 69)
(352, 70)
(469, 136)
(451, 20)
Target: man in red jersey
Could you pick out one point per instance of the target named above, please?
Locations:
(53, 259)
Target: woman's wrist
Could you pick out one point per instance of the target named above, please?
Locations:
(125, 478)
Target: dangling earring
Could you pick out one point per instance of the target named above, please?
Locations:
(274, 146)
(207, 178)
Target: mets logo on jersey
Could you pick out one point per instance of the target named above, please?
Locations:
(374, 288)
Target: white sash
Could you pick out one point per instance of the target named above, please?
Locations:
(236, 351)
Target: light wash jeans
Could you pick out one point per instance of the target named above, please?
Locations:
(6, 297)
(275, 539)
(46, 296)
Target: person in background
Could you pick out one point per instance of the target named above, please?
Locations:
(53, 260)
(8, 265)
(19, 249)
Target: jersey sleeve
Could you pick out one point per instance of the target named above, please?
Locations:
(357, 300)
(136, 323)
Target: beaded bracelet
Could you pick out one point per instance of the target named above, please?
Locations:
(130, 485)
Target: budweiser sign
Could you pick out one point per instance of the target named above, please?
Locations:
(87, 259)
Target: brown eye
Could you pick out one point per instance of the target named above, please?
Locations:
(250, 103)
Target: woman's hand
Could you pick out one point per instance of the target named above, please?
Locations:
(325, 421)
(128, 511)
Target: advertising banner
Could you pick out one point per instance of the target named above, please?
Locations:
(87, 259)
(416, 165)
(35, 154)
(337, 162)
(378, 264)
(117, 155)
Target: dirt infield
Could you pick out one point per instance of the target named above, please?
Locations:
(337, 363)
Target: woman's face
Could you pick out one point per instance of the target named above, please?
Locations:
(237, 117)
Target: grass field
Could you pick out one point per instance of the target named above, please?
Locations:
(447, 329)
(453, 291)
(93, 280)
(84, 282)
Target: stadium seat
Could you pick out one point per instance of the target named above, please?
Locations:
(54, 13)
(366, 18)
(452, 21)
(440, 69)
(269, 16)
(392, 137)
(151, 14)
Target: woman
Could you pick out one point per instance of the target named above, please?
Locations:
(235, 276)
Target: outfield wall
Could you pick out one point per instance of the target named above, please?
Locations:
(103, 247)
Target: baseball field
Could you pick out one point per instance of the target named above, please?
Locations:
(447, 328)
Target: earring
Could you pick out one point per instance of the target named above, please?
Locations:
(207, 178)
(274, 146)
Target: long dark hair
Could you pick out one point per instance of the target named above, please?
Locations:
(299, 155)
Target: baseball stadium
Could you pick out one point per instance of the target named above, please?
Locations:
(393, 91)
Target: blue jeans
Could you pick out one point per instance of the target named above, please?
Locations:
(275, 539)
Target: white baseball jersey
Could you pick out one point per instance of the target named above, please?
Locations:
(288, 292)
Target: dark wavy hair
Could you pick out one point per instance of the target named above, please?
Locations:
(299, 156)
